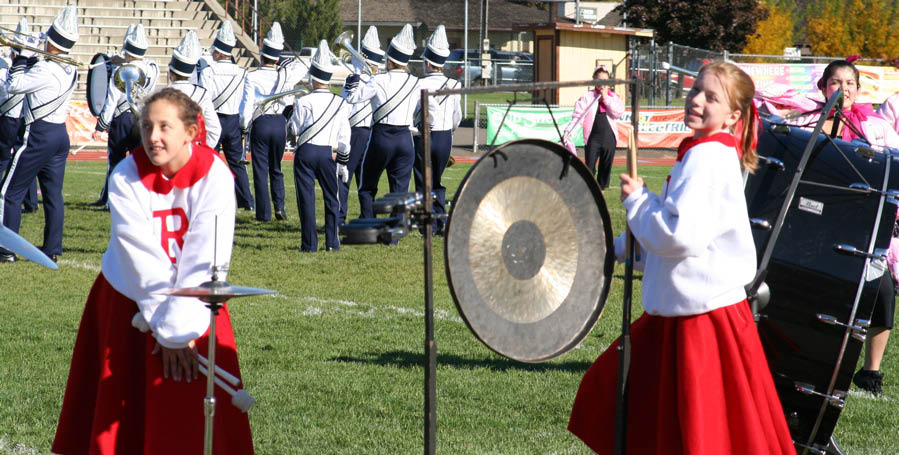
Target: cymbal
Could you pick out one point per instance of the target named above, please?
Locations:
(215, 291)
(529, 254)
(18, 245)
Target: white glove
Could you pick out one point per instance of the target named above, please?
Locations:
(343, 174)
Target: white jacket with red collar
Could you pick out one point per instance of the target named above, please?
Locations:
(164, 235)
(585, 113)
(695, 238)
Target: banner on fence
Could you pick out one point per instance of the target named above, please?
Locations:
(659, 128)
(877, 82)
(80, 123)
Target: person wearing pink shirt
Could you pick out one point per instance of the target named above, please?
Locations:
(596, 112)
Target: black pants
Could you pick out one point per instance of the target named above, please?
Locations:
(600, 147)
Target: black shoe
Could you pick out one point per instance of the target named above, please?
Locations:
(280, 215)
(29, 209)
(7, 257)
(52, 257)
(97, 203)
(869, 381)
(332, 248)
(243, 162)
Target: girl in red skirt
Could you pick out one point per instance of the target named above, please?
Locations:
(131, 392)
(699, 382)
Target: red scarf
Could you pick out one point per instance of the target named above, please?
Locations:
(197, 167)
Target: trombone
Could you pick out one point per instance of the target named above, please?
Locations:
(5, 41)
(345, 41)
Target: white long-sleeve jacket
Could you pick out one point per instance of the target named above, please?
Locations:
(45, 82)
(163, 236)
(328, 107)
(695, 237)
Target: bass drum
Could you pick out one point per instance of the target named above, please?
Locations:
(821, 291)
(529, 253)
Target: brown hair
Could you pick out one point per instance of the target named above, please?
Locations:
(188, 110)
(740, 90)
(832, 67)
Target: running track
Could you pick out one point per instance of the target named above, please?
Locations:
(96, 155)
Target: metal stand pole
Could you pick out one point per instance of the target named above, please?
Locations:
(430, 344)
(209, 401)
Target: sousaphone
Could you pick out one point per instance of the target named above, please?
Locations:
(529, 250)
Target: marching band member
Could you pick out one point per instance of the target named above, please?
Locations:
(360, 117)
(48, 86)
(321, 121)
(116, 117)
(393, 96)
(266, 129)
(135, 392)
(444, 115)
(11, 120)
(181, 67)
(225, 80)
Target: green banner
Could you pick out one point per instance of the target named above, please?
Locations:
(530, 123)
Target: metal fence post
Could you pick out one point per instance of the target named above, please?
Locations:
(477, 126)
(668, 74)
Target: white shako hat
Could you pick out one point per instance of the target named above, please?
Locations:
(135, 41)
(224, 39)
(401, 46)
(437, 49)
(273, 43)
(321, 69)
(64, 31)
(23, 31)
(371, 47)
(186, 55)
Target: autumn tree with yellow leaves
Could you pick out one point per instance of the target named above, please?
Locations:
(857, 27)
(774, 33)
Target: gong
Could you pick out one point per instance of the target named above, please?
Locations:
(529, 250)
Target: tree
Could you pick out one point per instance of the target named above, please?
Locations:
(304, 22)
(774, 33)
(711, 24)
(858, 27)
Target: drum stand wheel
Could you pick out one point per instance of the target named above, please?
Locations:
(833, 448)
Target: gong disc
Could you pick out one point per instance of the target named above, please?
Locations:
(529, 250)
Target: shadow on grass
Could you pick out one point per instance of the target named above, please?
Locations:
(406, 359)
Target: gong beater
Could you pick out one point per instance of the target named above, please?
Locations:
(529, 250)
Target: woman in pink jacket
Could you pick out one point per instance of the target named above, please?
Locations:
(596, 112)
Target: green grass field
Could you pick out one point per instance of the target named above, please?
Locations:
(334, 360)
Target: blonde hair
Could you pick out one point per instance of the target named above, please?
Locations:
(740, 91)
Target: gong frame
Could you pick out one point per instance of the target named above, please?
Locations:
(430, 344)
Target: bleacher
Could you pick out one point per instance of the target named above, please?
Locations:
(103, 23)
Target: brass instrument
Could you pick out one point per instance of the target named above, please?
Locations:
(5, 41)
(344, 41)
(131, 80)
(303, 88)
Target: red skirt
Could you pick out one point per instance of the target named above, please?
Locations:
(117, 401)
(698, 385)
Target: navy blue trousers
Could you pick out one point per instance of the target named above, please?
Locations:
(11, 129)
(311, 163)
(358, 142)
(390, 148)
(229, 143)
(119, 144)
(42, 155)
(269, 136)
(441, 146)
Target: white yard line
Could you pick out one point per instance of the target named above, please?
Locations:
(320, 305)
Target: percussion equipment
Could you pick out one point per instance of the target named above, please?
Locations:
(824, 269)
(214, 293)
(403, 208)
(98, 77)
(18, 245)
(529, 252)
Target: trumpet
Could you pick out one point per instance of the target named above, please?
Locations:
(344, 41)
(301, 89)
(5, 41)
